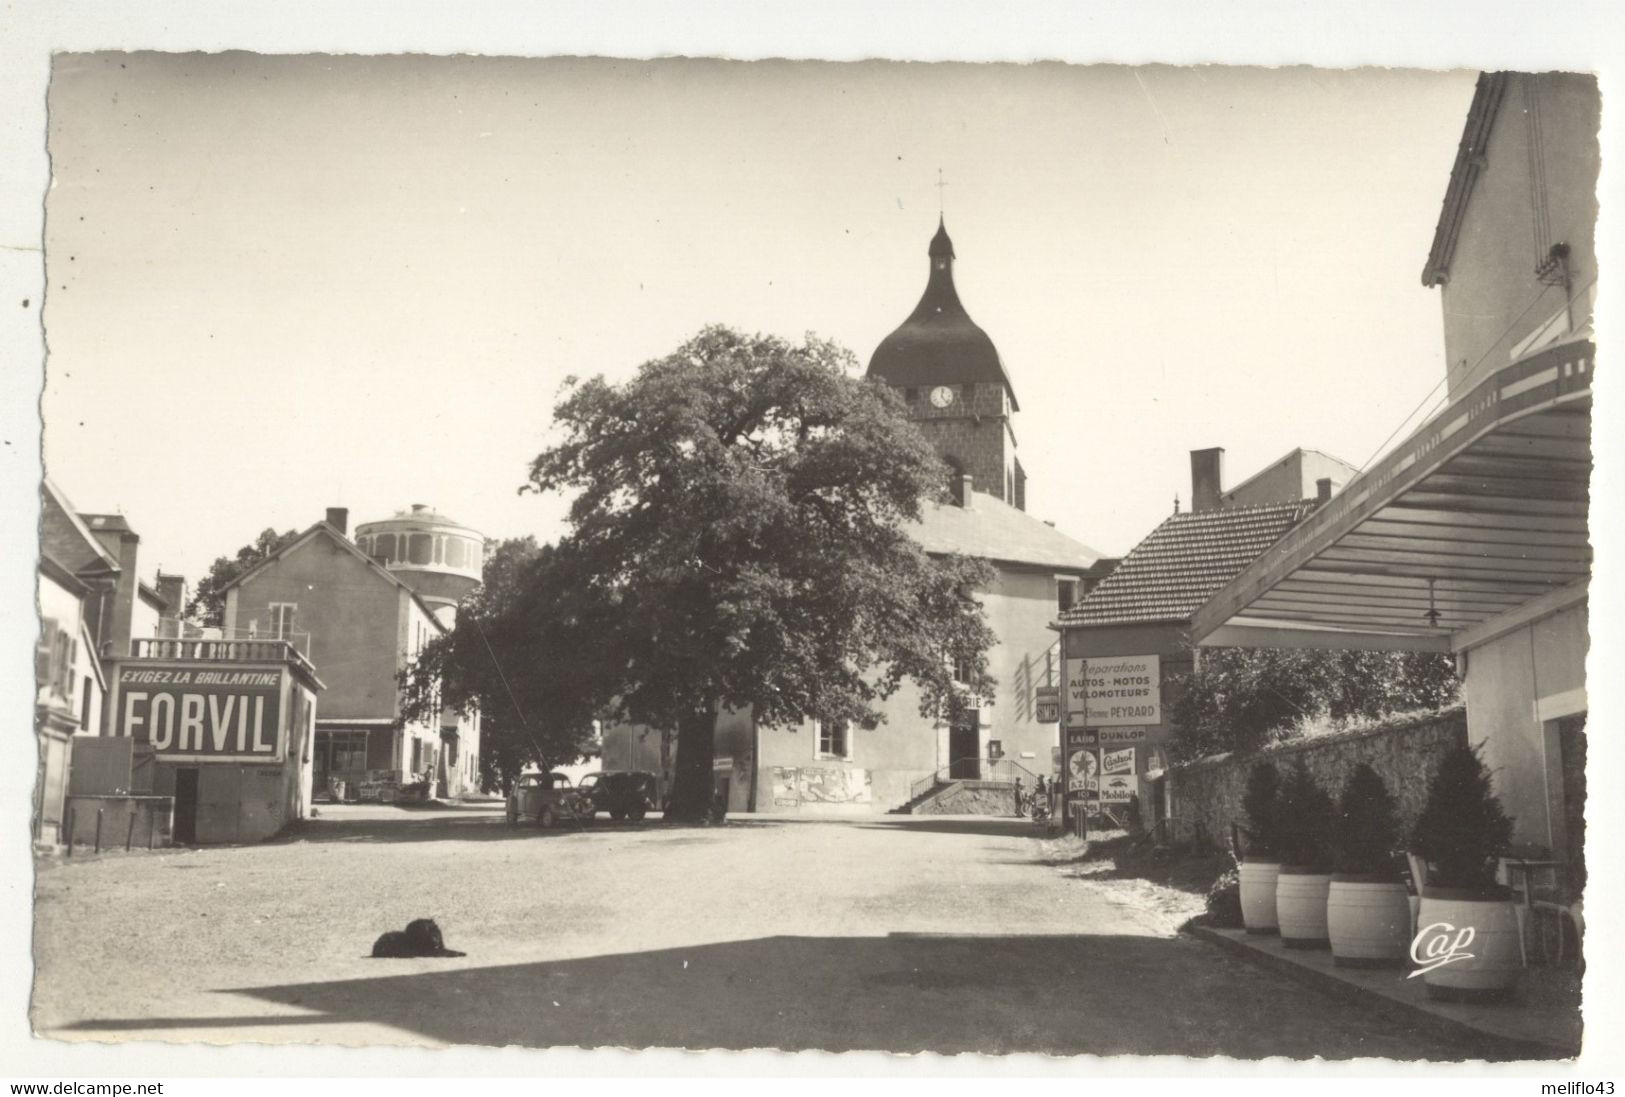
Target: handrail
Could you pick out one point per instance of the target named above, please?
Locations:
(944, 774)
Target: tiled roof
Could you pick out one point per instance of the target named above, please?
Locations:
(343, 542)
(1168, 576)
(995, 530)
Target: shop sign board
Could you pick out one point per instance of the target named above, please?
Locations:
(1082, 737)
(202, 713)
(1122, 735)
(1082, 771)
(1116, 789)
(1114, 691)
(1047, 704)
(1117, 761)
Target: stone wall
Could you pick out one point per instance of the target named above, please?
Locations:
(972, 798)
(1205, 796)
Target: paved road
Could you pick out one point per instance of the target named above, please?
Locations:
(890, 933)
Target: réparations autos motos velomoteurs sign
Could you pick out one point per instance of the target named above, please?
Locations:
(203, 713)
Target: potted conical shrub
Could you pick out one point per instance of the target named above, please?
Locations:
(1260, 865)
(1305, 814)
(1368, 911)
(1466, 944)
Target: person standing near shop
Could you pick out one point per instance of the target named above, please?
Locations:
(1019, 810)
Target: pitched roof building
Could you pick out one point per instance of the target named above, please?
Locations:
(78, 578)
(1170, 574)
(958, 392)
(1133, 631)
(361, 618)
(1472, 535)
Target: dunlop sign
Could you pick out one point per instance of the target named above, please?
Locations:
(230, 715)
(1114, 690)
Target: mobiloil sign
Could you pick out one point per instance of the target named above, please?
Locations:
(192, 713)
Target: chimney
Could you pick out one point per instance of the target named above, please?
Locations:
(1207, 478)
(965, 492)
(172, 589)
(1323, 490)
(339, 519)
(122, 544)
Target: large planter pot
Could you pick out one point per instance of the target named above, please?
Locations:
(1368, 919)
(1479, 930)
(1258, 895)
(1300, 906)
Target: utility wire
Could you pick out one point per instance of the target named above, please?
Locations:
(1451, 370)
(512, 700)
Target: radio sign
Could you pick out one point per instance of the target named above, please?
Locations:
(1114, 690)
(203, 713)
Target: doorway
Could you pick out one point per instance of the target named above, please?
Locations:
(186, 782)
(964, 750)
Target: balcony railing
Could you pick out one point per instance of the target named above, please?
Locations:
(219, 651)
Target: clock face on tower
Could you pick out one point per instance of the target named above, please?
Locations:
(942, 396)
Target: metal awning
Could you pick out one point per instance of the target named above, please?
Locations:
(1481, 514)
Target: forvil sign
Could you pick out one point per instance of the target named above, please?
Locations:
(202, 713)
(1439, 944)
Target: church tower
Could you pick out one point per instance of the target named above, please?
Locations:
(957, 390)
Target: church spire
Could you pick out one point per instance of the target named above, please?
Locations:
(940, 302)
(958, 393)
(941, 247)
(939, 344)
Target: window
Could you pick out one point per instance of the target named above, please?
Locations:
(348, 750)
(833, 740)
(1067, 592)
(964, 671)
(282, 614)
(54, 660)
(84, 706)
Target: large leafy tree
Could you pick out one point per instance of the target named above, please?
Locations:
(739, 528)
(208, 603)
(524, 652)
(1240, 699)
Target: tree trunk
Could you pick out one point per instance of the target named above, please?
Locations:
(692, 784)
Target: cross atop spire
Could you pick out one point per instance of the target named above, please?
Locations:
(940, 184)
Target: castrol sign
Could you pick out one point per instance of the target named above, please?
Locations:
(202, 713)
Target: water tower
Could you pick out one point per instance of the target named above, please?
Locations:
(438, 557)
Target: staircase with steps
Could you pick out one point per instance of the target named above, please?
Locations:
(990, 790)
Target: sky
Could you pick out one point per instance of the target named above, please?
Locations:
(279, 284)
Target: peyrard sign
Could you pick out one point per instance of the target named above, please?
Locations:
(1114, 691)
(202, 712)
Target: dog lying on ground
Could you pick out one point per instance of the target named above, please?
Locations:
(420, 938)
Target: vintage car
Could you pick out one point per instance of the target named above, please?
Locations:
(547, 799)
(628, 795)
